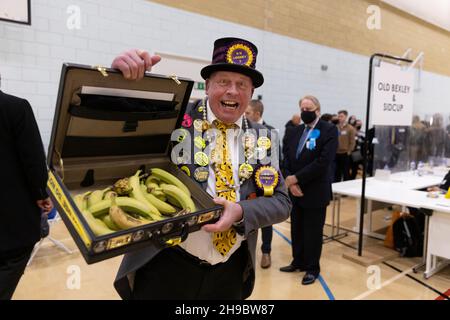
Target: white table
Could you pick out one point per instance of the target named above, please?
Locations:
(400, 190)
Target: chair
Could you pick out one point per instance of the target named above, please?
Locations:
(52, 218)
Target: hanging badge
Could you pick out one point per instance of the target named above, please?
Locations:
(264, 142)
(198, 125)
(199, 142)
(266, 179)
(201, 159)
(248, 140)
(245, 171)
(201, 174)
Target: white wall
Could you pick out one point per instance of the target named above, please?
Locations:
(31, 56)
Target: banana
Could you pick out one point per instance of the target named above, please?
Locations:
(109, 194)
(163, 207)
(138, 195)
(97, 226)
(173, 201)
(152, 179)
(109, 223)
(81, 200)
(128, 204)
(169, 178)
(95, 197)
(162, 197)
(122, 187)
(174, 192)
(122, 219)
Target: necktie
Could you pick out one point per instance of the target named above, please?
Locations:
(224, 241)
(302, 141)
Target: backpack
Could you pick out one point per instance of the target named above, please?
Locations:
(408, 236)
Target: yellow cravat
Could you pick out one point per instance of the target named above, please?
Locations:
(224, 241)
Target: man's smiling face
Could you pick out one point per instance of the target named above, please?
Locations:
(229, 94)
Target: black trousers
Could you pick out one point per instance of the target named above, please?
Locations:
(174, 274)
(266, 235)
(342, 167)
(307, 237)
(12, 266)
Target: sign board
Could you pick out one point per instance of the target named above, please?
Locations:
(15, 11)
(187, 67)
(392, 95)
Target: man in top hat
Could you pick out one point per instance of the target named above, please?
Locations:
(218, 261)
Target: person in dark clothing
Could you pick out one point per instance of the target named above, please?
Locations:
(310, 151)
(25, 198)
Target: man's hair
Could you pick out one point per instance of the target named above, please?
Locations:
(313, 99)
(344, 112)
(257, 106)
(326, 117)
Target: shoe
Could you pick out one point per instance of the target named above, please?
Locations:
(266, 261)
(309, 278)
(290, 268)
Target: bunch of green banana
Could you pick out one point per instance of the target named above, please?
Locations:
(97, 226)
(128, 204)
(175, 193)
(123, 220)
(137, 194)
(122, 187)
(95, 197)
(169, 178)
(163, 207)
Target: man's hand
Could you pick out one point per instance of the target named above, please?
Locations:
(133, 63)
(296, 191)
(232, 213)
(46, 205)
(431, 189)
(290, 180)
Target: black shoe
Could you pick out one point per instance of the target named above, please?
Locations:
(290, 268)
(309, 278)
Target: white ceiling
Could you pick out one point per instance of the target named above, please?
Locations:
(436, 12)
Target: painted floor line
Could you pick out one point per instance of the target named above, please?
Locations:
(321, 279)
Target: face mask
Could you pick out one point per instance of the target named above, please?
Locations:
(358, 127)
(335, 121)
(308, 116)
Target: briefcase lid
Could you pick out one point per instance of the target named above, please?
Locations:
(101, 115)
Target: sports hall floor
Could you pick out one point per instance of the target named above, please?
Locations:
(50, 275)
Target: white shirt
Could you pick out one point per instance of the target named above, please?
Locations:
(200, 243)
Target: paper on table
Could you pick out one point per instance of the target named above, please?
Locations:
(150, 95)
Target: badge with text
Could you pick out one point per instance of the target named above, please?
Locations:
(201, 174)
(198, 125)
(201, 159)
(245, 171)
(266, 178)
(264, 142)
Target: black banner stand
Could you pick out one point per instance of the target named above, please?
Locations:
(366, 144)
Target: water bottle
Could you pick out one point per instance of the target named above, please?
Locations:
(420, 168)
(412, 167)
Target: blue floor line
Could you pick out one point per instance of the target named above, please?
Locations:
(321, 279)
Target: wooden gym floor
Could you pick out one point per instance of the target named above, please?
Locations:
(50, 275)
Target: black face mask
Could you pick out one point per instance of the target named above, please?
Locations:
(336, 121)
(358, 127)
(308, 116)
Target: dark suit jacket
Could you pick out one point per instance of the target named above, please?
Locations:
(258, 213)
(23, 174)
(313, 168)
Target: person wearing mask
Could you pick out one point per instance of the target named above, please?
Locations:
(24, 198)
(352, 121)
(217, 261)
(254, 113)
(346, 146)
(334, 119)
(310, 152)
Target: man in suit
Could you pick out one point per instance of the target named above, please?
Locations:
(24, 196)
(217, 262)
(310, 150)
(254, 113)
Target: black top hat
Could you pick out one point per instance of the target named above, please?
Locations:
(236, 55)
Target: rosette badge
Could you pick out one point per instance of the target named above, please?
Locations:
(266, 179)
